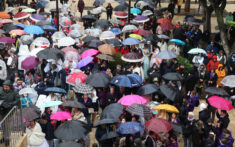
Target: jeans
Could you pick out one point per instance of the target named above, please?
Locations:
(50, 143)
(187, 141)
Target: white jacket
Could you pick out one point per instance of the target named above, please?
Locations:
(35, 136)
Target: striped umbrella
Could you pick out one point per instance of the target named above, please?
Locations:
(139, 109)
(83, 88)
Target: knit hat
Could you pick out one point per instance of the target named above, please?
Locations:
(214, 57)
(202, 106)
(7, 82)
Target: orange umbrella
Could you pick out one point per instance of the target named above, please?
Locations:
(107, 49)
(4, 15)
(162, 20)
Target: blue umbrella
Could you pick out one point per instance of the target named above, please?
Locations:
(41, 4)
(122, 2)
(51, 104)
(116, 31)
(20, 25)
(55, 90)
(98, 2)
(137, 77)
(130, 41)
(177, 41)
(125, 81)
(130, 128)
(48, 27)
(85, 61)
(32, 29)
(135, 11)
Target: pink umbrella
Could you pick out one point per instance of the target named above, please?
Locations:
(220, 103)
(129, 100)
(89, 53)
(29, 63)
(69, 49)
(76, 77)
(6, 40)
(61, 115)
(3, 21)
(17, 32)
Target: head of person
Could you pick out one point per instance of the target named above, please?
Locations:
(48, 109)
(85, 96)
(223, 113)
(118, 67)
(209, 122)
(212, 43)
(214, 58)
(7, 86)
(190, 116)
(173, 115)
(202, 106)
(233, 55)
(32, 123)
(111, 90)
(19, 82)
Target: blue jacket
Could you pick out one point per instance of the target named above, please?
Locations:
(24, 101)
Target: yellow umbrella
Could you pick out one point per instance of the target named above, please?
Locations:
(136, 36)
(167, 108)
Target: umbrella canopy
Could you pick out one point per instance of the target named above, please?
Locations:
(169, 92)
(158, 125)
(73, 104)
(95, 32)
(140, 110)
(17, 32)
(195, 21)
(66, 41)
(65, 22)
(37, 17)
(75, 27)
(120, 8)
(114, 42)
(48, 28)
(102, 23)
(162, 36)
(69, 144)
(6, 40)
(55, 90)
(58, 35)
(120, 14)
(69, 49)
(129, 100)
(95, 43)
(167, 108)
(130, 41)
(89, 53)
(50, 104)
(163, 20)
(141, 19)
(130, 128)
(116, 31)
(152, 104)
(132, 57)
(147, 13)
(4, 15)
(135, 11)
(112, 111)
(129, 28)
(143, 32)
(88, 39)
(98, 10)
(220, 103)
(73, 130)
(166, 55)
(41, 4)
(173, 76)
(76, 78)
(26, 39)
(9, 27)
(29, 10)
(105, 121)
(83, 88)
(32, 29)
(216, 91)
(41, 42)
(177, 41)
(98, 80)
(108, 135)
(85, 62)
(61, 116)
(30, 114)
(136, 77)
(107, 35)
(27, 91)
(137, 36)
(228, 81)
(50, 54)
(89, 17)
(21, 15)
(147, 89)
(107, 49)
(74, 34)
(115, 22)
(41, 23)
(105, 57)
(197, 51)
(30, 63)
(5, 21)
(125, 81)
(166, 26)
(20, 25)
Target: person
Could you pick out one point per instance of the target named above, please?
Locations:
(81, 6)
(179, 4)
(111, 96)
(198, 60)
(47, 128)
(3, 73)
(213, 64)
(19, 84)
(109, 11)
(221, 58)
(209, 128)
(220, 74)
(198, 134)
(211, 47)
(211, 78)
(223, 119)
(171, 8)
(78, 115)
(25, 101)
(150, 141)
(204, 113)
(225, 139)
(188, 129)
(85, 100)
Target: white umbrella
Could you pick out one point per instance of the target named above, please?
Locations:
(58, 35)
(3, 65)
(65, 22)
(129, 28)
(147, 13)
(197, 51)
(107, 35)
(162, 36)
(9, 9)
(141, 4)
(34, 51)
(98, 10)
(74, 34)
(75, 27)
(41, 41)
(27, 91)
(66, 41)
(93, 32)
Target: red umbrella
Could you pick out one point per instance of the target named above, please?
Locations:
(76, 77)
(158, 125)
(120, 14)
(162, 20)
(166, 26)
(30, 63)
(220, 103)
(144, 32)
(21, 15)
(69, 49)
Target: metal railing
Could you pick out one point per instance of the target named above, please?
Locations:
(11, 127)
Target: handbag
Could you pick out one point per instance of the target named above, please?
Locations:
(91, 110)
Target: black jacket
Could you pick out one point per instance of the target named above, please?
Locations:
(224, 121)
(149, 142)
(204, 115)
(188, 128)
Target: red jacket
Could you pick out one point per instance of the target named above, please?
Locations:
(212, 65)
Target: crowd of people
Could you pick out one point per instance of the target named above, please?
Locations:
(132, 84)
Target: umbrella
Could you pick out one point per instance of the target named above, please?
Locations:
(108, 135)
(166, 55)
(50, 104)
(220, 103)
(41, 23)
(105, 121)
(17, 32)
(21, 15)
(120, 8)
(9, 9)
(69, 49)
(26, 39)
(89, 53)
(75, 27)
(66, 41)
(30, 63)
(130, 41)
(61, 116)
(50, 54)
(73, 104)
(32, 29)
(9, 27)
(167, 108)
(41, 42)
(30, 114)
(76, 77)
(129, 28)
(141, 19)
(130, 128)
(122, 2)
(28, 10)
(41, 4)
(177, 128)
(162, 36)
(228, 81)
(152, 104)
(107, 49)
(112, 111)
(144, 32)
(105, 57)
(6, 40)
(135, 11)
(95, 32)
(95, 43)
(147, 13)
(129, 100)
(74, 34)
(197, 51)
(140, 110)
(27, 91)
(55, 90)
(89, 17)
(107, 35)
(65, 22)
(216, 91)
(98, 80)
(102, 23)
(37, 17)
(120, 14)
(125, 81)
(48, 27)
(115, 22)
(88, 39)
(69, 144)
(169, 92)
(177, 41)
(98, 10)
(5, 21)
(147, 89)
(136, 36)
(136, 77)
(166, 26)
(158, 125)
(85, 62)
(83, 88)
(132, 57)
(4, 15)
(195, 21)
(2, 32)
(58, 35)
(141, 4)
(114, 42)
(70, 130)
(163, 20)
(116, 31)
(173, 76)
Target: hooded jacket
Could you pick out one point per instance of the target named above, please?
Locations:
(220, 74)
(212, 64)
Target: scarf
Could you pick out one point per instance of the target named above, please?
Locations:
(67, 70)
(212, 75)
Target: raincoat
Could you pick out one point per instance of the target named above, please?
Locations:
(220, 74)
(146, 62)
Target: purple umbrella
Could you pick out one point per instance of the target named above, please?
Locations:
(30, 63)
(141, 19)
(37, 17)
(85, 61)
(6, 40)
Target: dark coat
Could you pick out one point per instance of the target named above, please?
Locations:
(48, 129)
(188, 127)
(109, 10)
(149, 142)
(88, 104)
(214, 79)
(81, 5)
(204, 115)
(224, 121)
(112, 98)
(10, 98)
(198, 136)
(208, 143)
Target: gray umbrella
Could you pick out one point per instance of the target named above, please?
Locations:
(8, 27)
(169, 92)
(112, 111)
(105, 121)
(166, 55)
(177, 127)
(30, 114)
(73, 104)
(102, 23)
(95, 43)
(69, 144)
(120, 8)
(83, 88)
(89, 17)
(173, 76)
(139, 110)
(114, 42)
(70, 131)
(50, 54)
(42, 23)
(147, 89)
(109, 135)
(216, 91)
(26, 39)
(105, 57)
(98, 80)
(88, 39)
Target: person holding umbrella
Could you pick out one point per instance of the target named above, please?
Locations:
(85, 100)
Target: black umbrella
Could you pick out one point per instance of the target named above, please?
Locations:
(169, 92)
(216, 91)
(89, 17)
(95, 43)
(177, 127)
(105, 57)
(70, 130)
(8, 27)
(105, 121)
(114, 42)
(73, 104)
(151, 37)
(50, 54)
(45, 13)
(196, 21)
(173, 76)
(112, 111)
(88, 39)
(69, 144)
(120, 8)
(42, 23)
(139, 110)
(30, 114)
(109, 135)
(147, 89)
(102, 23)
(98, 80)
